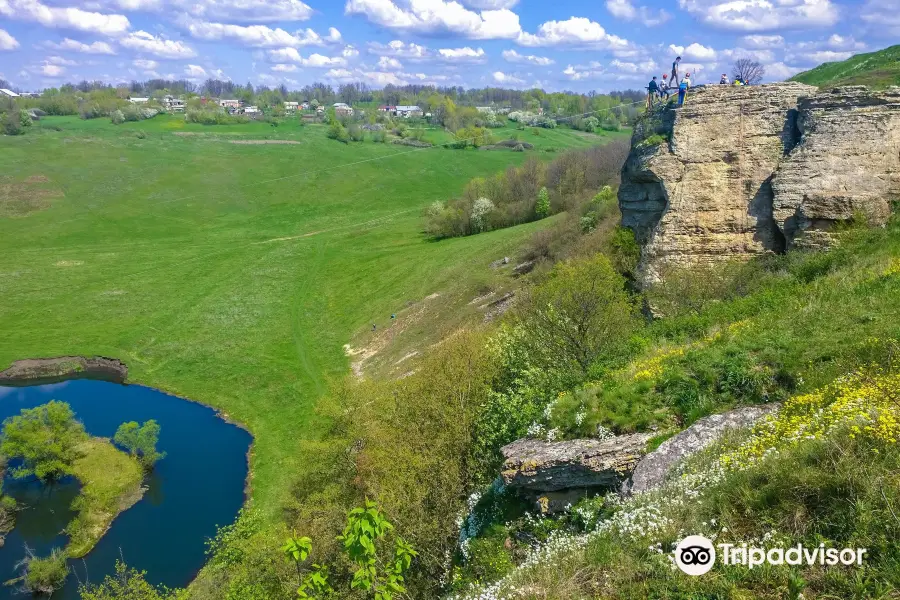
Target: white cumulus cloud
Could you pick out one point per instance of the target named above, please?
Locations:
(142, 41)
(505, 79)
(514, 57)
(146, 64)
(764, 41)
(491, 4)
(290, 55)
(467, 54)
(259, 36)
(577, 31)
(251, 11)
(438, 16)
(49, 70)
(7, 42)
(64, 18)
(71, 45)
(399, 49)
(762, 15)
(195, 71)
(387, 63)
(695, 51)
(59, 60)
(627, 11)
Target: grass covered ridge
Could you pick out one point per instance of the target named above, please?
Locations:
(111, 483)
(874, 69)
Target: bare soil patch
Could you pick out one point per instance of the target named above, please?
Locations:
(21, 198)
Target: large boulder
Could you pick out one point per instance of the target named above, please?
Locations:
(846, 165)
(537, 466)
(653, 469)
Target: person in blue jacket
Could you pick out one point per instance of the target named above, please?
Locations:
(683, 88)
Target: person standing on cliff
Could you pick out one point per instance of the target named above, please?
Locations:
(724, 80)
(675, 80)
(683, 88)
(652, 92)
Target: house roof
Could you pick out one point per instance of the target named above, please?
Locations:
(408, 108)
(10, 93)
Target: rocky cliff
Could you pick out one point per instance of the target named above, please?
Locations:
(846, 164)
(739, 171)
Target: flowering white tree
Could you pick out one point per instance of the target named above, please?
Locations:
(480, 210)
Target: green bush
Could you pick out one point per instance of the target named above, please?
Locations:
(336, 131)
(11, 124)
(126, 584)
(117, 117)
(580, 315)
(356, 133)
(43, 576)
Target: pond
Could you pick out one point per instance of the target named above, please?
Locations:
(198, 486)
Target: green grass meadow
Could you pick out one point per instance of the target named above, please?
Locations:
(230, 274)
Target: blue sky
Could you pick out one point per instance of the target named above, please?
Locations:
(554, 44)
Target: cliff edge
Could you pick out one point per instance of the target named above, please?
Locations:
(740, 171)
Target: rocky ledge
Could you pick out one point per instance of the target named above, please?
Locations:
(46, 370)
(537, 466)
(846, 166)
(653, 469)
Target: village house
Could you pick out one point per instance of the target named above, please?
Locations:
(139, 100)
(234, 103)
(250, 110)
(9, 93)
(342, 110)
(291, 106)
(173, 104)
(408, 111)
(384, 108)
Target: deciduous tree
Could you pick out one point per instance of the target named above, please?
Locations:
(579, 314)
(140, 441)
(749, 71)
(46, 438)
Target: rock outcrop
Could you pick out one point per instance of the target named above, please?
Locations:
(536, 466)
(31, 371)
(739, 171)
(653, 469)
(847, 164)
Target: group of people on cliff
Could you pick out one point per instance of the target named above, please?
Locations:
(658, 90)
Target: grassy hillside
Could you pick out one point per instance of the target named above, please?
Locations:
(818, 332)
(229, 273)
(874, 69)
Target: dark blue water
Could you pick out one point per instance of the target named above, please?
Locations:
(198, 486)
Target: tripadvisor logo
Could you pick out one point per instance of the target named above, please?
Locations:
(696, 555)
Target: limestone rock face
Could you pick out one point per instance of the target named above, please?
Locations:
(652, 470)
(847, 163)
(538, 466)
(704, 193)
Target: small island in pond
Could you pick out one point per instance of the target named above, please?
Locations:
(49, 444)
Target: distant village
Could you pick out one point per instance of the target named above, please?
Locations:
(235, 106)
